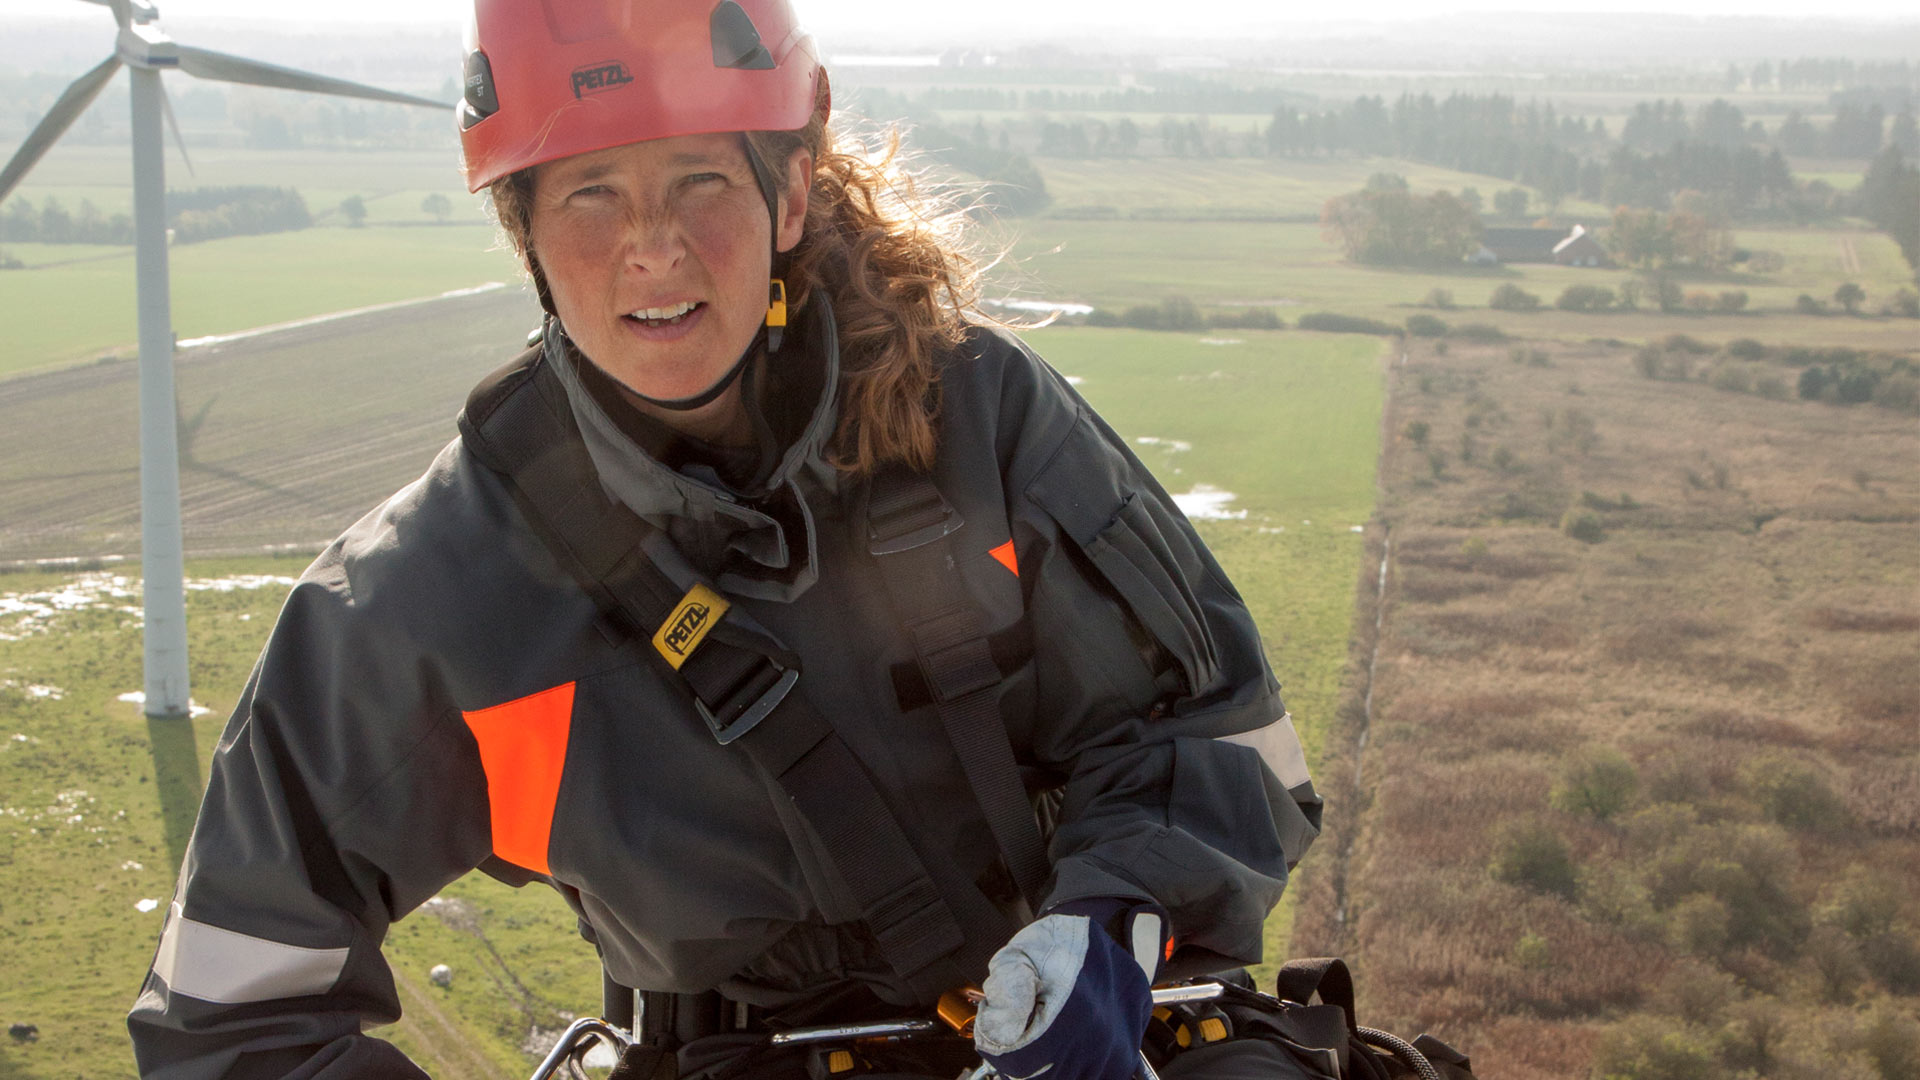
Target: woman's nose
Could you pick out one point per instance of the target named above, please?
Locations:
(654, 242)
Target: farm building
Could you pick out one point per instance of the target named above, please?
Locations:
(1575, 247)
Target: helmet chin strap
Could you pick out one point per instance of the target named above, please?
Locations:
(773, 331)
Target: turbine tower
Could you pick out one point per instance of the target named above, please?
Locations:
(146, 51)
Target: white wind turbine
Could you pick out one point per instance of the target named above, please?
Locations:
(146, 51)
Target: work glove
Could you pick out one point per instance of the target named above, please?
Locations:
(1064, 998)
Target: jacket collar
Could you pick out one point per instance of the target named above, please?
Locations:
(729, 536)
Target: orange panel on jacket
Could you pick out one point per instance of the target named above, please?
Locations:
(523, 748)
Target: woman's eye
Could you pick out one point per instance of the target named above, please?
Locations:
(590, 190)
(705, 178)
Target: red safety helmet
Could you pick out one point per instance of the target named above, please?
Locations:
(546, 79)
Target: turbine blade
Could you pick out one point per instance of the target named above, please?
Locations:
(122, 10)
(166, 106)
(208, 64)
(71, 104)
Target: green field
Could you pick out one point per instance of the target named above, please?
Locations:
(1286, 422)
(1291, 268)
(85, 309)
(1255, 188)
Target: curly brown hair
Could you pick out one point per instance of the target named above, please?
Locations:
(892, 258)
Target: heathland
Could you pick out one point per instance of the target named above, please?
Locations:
(1638, 769)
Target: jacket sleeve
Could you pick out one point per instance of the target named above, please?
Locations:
(342, 796)
(1184, 780)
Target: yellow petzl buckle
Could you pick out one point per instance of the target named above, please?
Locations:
(687, 627)
(777, 303)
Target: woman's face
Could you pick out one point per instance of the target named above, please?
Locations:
(657, 257)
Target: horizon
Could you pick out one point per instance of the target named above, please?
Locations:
(1206, 19)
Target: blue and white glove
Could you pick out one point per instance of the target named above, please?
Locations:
(1065, 999)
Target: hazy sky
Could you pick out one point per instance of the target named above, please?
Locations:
(928, 18)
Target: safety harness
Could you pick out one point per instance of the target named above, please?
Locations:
(741, 682)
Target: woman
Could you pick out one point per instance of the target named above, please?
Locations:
(746, 611)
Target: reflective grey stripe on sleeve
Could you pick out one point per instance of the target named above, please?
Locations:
(1279, 746)
(229, 968)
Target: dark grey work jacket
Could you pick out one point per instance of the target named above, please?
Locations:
(436, 695)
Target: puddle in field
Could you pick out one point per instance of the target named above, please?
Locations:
(1208, 503)
(34, 691)
(1042, 307)
(1176, 446)
(139, 697)
(25, 614)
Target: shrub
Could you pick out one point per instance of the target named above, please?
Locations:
(1332, 323)
(1258, 318)
(1812, 382)
(1746, 349)
(1173, 313)
(1439, 348)
(1906, 303)
(1771, 387)
(1102, 317)
(1593, 500)
(1473, 549)
(1835, 957)
(1439, 298)
(1698, 925)
(1417, 431)
(1807, 305)
(1791, 792)
(1668, 294)
(1894, 959)
(1685, 343)
(1528, 853)
(1511, 297)
(1730, 302)
(1598, 781)
(1696, 993)
(1585, 298)
(1646, 361)
(1891, 1040)
(1532, 953)
(1655, 1048)
(1583, 526)
(1865, 902)
(1899, 391)
(1701, 301)
(1426, 325)
(1480, 333)
(1731, 378)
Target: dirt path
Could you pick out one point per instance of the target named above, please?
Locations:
(1849, 256)
(447, 1052)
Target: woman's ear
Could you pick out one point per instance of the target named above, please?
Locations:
(793, 202)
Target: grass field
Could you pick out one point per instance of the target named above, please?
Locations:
(85, 309)
(1257, 188)
(1285, 422)
(1291, 268)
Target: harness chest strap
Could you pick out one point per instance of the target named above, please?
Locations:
(909, 526)
(739, 682)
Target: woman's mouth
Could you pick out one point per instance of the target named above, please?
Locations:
(665, 316)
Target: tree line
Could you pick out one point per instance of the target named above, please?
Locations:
(206, 213)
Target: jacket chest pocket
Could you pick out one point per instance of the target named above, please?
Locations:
(1138, 546)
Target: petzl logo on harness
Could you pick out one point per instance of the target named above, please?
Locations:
(599, 78)
(692, 617)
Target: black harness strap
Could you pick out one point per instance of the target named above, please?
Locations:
(521, 426)
(908, 526)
